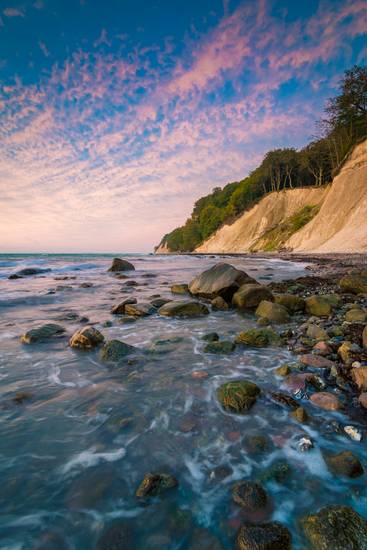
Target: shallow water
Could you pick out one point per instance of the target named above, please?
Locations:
(72, 457)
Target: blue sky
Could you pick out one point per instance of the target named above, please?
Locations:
(116, 116)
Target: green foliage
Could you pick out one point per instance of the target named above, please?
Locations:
(345, 123)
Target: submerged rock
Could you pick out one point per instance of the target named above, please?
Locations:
(300, 415)
(250, 495)
(258, 338)
(273, 312)
(86, 338)
(115, 350)
(42, 333)
(284, 399)
(278, 471)
(115, 537)
(155, 484)
(121, 265)
(264, 536)
(211, 337)
(258, 444)
(185, 308)
(224, 346)
(319, 306)
(344, 464)
(238, 396)
(354, 282)
(249, 296)
(220, 280)
(28, 272)
(335, 528)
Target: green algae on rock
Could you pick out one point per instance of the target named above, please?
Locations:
(184, 308)
(238, 396)
(155, 484)
(115, 350)
(258, 338)
(263, 536)
(223, 346)
(42, 333)
(273, 312)
(249, 296)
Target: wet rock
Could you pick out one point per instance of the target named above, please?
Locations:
(159, 302)
(238, 396)
(272, 311)
(189, 423)
(258, 444)
(279, 471)
(249, 296)
(322, 348)
(305, 444)
(316, 332)
(353, 433)
(199, 374)
(336, 528)
(183, 309)
(121, 265)
(356, 315)
(50, 541)
(211, 337)
(115, 350)
(291, 302)
(116, 537)
(126, 320)
(220, 280)
(28, 272)
(202, 539)
(284, 399)
(300, 415)
(326, 401)
(258, 338)
(139, 310)
(155, 484)
(315, 361)
(363, 400)
(364, 337)
(220, 472)
(86, 338)
(359, 376)
(180, 289)
(283, 370)
(297, 382)
(42, 333)
(120, 308)
(21, 397)
(249, 495)
(318, 306)
(355, 283)
(344, 464)
(348, 352)
(224, 346)
(219, 304)
(264, 536)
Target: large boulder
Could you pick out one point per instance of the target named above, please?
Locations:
(42, 333)
(257, 338)
(184, 308)
(238, 396)
(344, 464)
(220, 280)
(272, 312)
(249, 296)
(155, 484)
(291, 302)
(121, 265)
(318, 306)
(115, 350)
(355, 282)
(264, 536)
(86, 338)
(336, 528)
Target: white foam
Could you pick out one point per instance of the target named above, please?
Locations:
(89, 458)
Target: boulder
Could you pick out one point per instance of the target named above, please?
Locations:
(220, 280)
(356, 315)
(119, 309)
(211, 337)
(344, 464)
(121, 265)
(86, 338)
(273, 312)
(283, 370)
(219, 304)
(316, 361)
(318, 306)
(336, 528)
(356, 283)
(250, 495)
(224, 346)
(291, 302)
(364, 337)
(42, 333)
(263, 536)
(325, 400)
(180, 289)
(183, 308)
(359, 376)
(139, 310)
(115, 350)
(249, 296)
(257, 338)
(238, 396)
(155, 484)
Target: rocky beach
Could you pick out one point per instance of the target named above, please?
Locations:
(183, 401)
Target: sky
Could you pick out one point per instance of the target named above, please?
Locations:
(116, 115)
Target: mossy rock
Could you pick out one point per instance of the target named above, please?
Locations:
(283, 370)
(335, 528)
(42, 333)
(183, 309)
(155, 484)
(258, 444)
(223, 346)
(356, 283)
(238, 396)
(211, 337)
(258, 338)
(318, 306)
(250, 495)
(344, 464)
(181, 288)
(264, 536)
(317, 333)
(115, 351)
(116, 536)
(272, 311)
(250, 296)
(86, 338)
(279, 471)
(300, 415)
(356, 315)
(292, 303)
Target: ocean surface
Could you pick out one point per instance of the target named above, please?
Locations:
(72, 456)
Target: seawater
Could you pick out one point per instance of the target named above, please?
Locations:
(72, 457)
